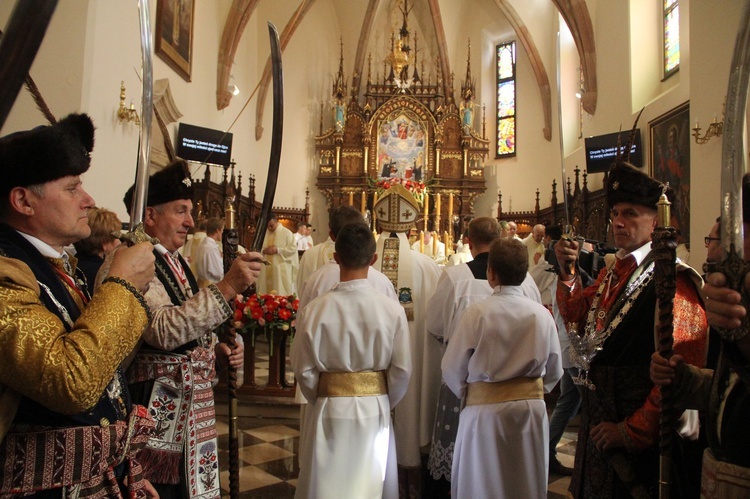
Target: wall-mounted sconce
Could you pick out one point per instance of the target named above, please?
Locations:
(234, 89)
(715, 129)
(127, 113)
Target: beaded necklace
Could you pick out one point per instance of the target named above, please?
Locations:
(587, 346)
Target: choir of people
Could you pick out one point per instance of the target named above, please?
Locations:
(406, 364)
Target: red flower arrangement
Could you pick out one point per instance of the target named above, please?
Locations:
(418, 189)
(265, 314)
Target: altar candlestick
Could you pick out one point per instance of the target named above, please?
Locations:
(426, 209)
(351, 198)
(450, 208)
(364, 202)
(437, 204)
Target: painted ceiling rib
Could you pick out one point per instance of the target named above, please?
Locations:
(286, 35)
(239, 15)
(576, 16)
(437, 21)
(364, 36)
(537, 66)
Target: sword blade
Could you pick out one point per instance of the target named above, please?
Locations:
(732, 170)
(147, 105)
(18, 47)
(277, 131)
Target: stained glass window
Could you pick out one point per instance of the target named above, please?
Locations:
(671, 37)
(506, 100)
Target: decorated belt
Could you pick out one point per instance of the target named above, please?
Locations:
(82, 457)
(481, 393)
(348, 384)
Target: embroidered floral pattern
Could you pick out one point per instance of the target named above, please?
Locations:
(208, 465)
(163, 410)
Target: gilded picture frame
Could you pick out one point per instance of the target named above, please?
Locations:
(174, 34)
(670, 161)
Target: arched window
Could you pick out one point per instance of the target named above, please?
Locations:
(506, 99)
(671, 27)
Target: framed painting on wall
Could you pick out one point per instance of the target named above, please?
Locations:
(670, 162)
(174, 34)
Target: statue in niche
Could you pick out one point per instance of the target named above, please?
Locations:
(466, 110)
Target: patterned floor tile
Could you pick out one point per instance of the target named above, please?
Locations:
(262, 453)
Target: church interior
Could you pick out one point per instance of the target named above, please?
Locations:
(496, 98)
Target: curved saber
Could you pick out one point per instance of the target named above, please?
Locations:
(733, 265)
(147, 105)
(18, 47)
(277, 131)
(732, 147)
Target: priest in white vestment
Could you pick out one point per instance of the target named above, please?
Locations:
(352, 361)
(414, 276)
(281, 252)
(503, 356)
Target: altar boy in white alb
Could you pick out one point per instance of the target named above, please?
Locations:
(503, 356)
(352, 361)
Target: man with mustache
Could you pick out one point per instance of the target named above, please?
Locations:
(611, 325)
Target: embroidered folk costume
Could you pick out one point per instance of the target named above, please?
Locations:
(66, 422)
(611, 327)
(414, 277)
(174, 368)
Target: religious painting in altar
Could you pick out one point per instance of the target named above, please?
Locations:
(402, 147)
(670, 162)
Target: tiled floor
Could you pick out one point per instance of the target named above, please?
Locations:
(269, 466)
(268, 445)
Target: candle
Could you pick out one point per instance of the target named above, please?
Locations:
(421, 242)
(437, 204)
(364, 202)
(434, 243)
(374, 200)
(351, 198)
(426, 205)
(450, 208)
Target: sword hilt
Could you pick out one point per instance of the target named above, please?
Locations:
(136, 235)
(734, 269)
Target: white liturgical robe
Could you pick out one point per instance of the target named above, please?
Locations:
(349, 444)
(313, 259)
(327, 276)
(501, 449)
(281, 275)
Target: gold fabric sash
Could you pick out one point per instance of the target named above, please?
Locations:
(348, 384)
(504, 391)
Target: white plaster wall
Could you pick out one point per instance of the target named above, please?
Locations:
(91, 46)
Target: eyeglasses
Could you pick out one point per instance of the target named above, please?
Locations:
(708, 240)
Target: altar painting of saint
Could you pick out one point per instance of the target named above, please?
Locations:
(401, 148)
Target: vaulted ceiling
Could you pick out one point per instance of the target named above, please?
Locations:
(375, 15)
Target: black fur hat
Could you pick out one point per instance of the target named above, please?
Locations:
(628, 184)
(46, 153)
(169, 184)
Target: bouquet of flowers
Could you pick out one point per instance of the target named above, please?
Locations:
(265, 314)
(418, 189)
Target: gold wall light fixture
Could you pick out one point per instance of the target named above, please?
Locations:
(715, 129)
(127, 114)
